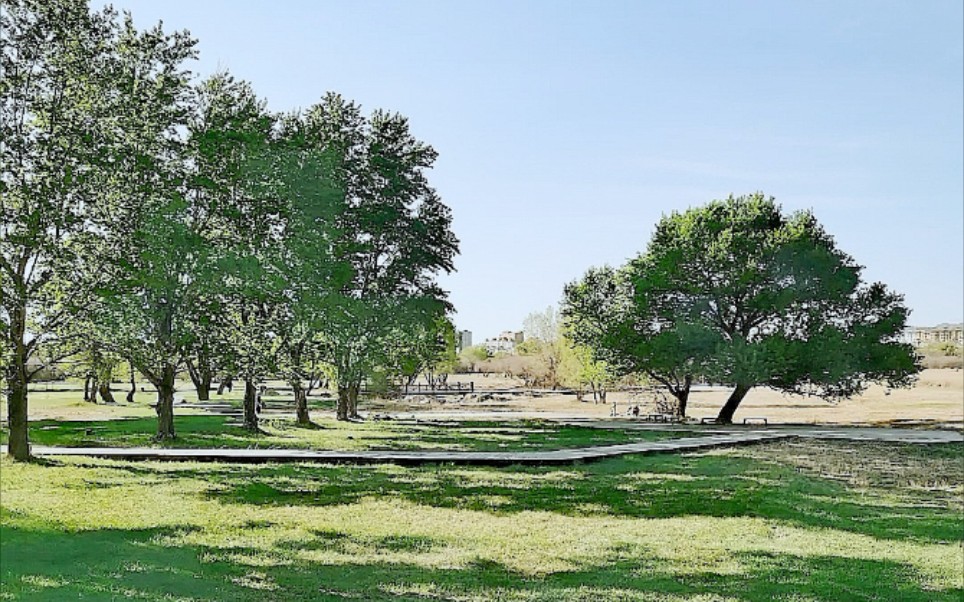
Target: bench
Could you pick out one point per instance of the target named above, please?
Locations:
(755, 420)
(708, 420)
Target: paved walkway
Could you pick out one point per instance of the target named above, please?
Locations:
(534, 458)
(708, 437)
(852, 433)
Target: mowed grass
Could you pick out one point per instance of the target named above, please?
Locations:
(224, 432)
(796, 521)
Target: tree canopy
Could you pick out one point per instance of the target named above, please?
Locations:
(736, 292)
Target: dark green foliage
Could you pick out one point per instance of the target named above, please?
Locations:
(736, 292)
(395, 234)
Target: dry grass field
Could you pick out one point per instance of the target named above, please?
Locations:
(937, 398)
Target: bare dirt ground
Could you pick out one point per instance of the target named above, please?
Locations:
(936, 399)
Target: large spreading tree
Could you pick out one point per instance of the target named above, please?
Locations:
(736, 292)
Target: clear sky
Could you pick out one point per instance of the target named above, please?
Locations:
(566, 129)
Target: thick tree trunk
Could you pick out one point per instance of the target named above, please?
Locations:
(105, 393)
(165, 404)
(130, 394)
(201, 377)
(353, 390)
(344, 403)
(94, 387)
(87, 388)
(301, 403)
(18, 443)
(204, 391)
(729, 408)
(250, 405)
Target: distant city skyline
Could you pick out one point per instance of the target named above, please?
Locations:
(566, 129)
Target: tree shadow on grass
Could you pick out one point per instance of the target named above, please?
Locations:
(661, 486)
(50, 564)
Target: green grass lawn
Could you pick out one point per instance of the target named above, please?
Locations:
(199, 431)
(795, 521)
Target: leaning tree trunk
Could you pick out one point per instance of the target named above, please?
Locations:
(301, 403)
(729, 408)
(250, 405)
(105, 393)
(130, 394)
(165, 404)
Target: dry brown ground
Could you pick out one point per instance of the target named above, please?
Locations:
(937, 397)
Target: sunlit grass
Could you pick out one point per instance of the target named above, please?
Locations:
(760, 523)
(225, 432)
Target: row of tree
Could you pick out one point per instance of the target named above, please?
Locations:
(178, 224)
(738, 293)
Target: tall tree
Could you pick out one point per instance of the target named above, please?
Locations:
(54, 91)
(312, 275)
(779, 304)
(154, 244)
(240, 216)
(395, 235)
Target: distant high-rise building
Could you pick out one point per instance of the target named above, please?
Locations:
(464, 339)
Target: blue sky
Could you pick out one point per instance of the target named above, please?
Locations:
(566, 129)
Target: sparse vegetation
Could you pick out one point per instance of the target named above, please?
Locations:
(942, 355)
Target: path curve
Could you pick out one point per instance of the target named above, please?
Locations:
(412, 458)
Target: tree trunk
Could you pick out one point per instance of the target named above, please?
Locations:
(353, 400)
(204, 391)
(165, 404)
(104, 390)
(729, 408)
(87, 388)
(130, 394)
(201, 377)
(226, 383)
(94, 387)
(301, 403)
(682, 396)
(341, 411)
(250, 405)
(18, 443)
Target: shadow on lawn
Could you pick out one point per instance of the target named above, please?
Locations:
(115, 564)
(199, 431)
(661, 486)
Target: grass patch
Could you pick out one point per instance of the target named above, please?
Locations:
(205, 431)
(774, 522)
